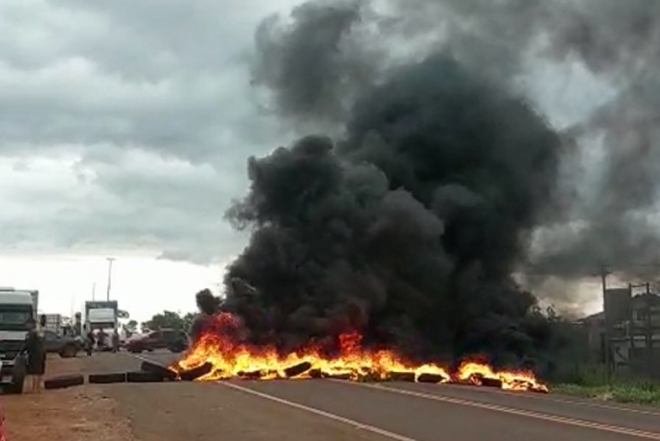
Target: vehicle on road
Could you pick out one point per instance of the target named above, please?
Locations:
(171, 339)
(66, 346)
(16, 308)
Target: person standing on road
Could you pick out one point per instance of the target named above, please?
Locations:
(89, 342)
(101, 343)
(115, 341)
(36, 356)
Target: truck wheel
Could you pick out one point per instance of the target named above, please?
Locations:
(69, 351)
(16, 385)
(118, 377)
(64, 381)
(18, 377)
(143, 377)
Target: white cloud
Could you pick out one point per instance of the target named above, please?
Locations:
(124, 128)
(141, 284)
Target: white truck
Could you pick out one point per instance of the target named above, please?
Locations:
(54, 323)
(16, 308)
(102, 316)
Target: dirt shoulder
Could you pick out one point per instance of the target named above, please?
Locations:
(66, 415)
(180, 411)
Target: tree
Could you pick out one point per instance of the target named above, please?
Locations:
(169, 319)
(132, 325)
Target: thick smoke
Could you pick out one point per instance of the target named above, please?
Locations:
(409, 227)
(409, 224)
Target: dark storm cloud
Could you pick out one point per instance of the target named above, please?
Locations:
(86, 88)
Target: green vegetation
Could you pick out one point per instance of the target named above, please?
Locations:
(592, 382)
(169, 319)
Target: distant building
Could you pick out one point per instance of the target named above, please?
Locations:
(634, 328)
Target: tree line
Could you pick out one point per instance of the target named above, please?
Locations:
(165, 319)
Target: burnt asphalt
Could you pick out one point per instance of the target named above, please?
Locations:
(422, 412)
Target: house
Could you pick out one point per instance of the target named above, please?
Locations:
(634, 331)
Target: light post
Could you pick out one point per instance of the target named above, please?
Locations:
(110, 261)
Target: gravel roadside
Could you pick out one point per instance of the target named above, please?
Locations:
(65, 415)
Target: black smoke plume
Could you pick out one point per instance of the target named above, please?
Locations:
(409, 222)
(409, 226)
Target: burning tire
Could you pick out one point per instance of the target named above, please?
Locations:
(64, 381)
(196, 372)
(143, 377)
(430, 378)
(407, 377)
(298, 369)
(111, 378)
(155, 368)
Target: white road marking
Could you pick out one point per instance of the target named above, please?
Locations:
(550, 398)
(520, 412)
(332, 416)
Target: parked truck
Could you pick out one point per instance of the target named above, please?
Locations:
(53, 323)
(102, 316)
(16, 308)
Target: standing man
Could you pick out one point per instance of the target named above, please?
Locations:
(36, 356)
(89, 341)
(115, 341)
(101, 342)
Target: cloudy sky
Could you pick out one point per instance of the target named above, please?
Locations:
(124, 131)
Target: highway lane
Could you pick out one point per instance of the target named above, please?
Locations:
(421, 412)
(638, 417)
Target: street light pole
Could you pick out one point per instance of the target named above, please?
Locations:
(110, 261)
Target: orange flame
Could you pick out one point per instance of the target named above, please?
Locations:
(221, 346)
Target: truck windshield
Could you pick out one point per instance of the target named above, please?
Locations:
(14, 318)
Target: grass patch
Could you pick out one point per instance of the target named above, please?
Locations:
(639, 393)
(593, 382)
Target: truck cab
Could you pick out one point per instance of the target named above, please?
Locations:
(16, 308)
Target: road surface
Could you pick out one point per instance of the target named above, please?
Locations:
(320, 410)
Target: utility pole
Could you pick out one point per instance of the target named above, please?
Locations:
(110, 261)
(608, 332)
(94, 291)
(648, 325)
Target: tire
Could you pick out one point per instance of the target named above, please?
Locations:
(69, 351)
(196, 372)
(135, 350)
(143, 377)
(18, 377)
(158, 369)
(64, 381)
(116, 377)
(16, 386)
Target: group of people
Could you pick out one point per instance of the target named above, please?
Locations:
(99, 341)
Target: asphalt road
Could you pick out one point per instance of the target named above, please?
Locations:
(421, 412)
